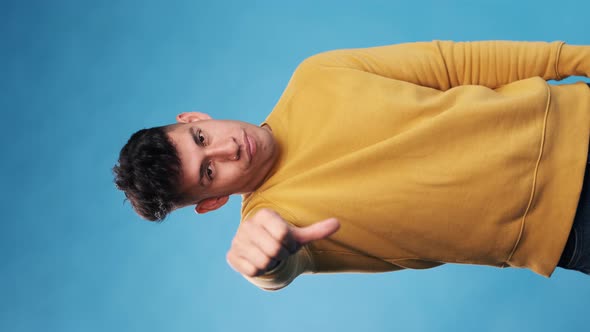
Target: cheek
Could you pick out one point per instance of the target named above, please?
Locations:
(228, 174)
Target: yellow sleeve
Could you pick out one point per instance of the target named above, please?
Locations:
(282, 275)
(444, 64)
(574, 60)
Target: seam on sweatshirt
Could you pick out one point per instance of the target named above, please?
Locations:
(388, 259)
(391, 261)
(263, 204)
(348, 253)
(397, 261)
(535, 174)
(440, 53)
(557, 57)
(282, 211)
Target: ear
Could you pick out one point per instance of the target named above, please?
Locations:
(211, 204)
(187, 117)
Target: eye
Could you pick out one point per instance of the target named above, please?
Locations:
(200, 137)
(210, 172)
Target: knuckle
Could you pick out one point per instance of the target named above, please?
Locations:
(250, 271)
(235, 242)
(255, 229)
(229, 257)
(266, 213)
(264, 262)
(246, 225)
(262, 213)
(249, 231)
(282, 232)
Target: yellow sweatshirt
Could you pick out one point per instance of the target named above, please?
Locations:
(430, 153)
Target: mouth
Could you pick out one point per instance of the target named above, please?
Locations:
(249, 146)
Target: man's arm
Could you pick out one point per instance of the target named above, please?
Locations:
(270, 253)
(443, 64)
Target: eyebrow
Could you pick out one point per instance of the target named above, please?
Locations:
(195, 136)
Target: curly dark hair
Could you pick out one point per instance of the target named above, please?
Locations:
(149, 173)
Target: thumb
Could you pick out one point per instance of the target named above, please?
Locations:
(319, 230)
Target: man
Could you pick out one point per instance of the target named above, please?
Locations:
(380, 159)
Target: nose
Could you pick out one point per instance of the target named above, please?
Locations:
(228, 149)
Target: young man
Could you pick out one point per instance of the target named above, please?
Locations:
(380, 159)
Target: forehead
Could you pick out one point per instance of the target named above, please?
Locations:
(181, 136)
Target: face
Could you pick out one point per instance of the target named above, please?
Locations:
(221, 157)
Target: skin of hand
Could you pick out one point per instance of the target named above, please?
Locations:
(265, 239)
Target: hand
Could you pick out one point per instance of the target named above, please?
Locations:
(265, 239)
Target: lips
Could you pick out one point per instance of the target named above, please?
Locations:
(250, 146)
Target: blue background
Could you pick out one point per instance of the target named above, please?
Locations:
(78, 77)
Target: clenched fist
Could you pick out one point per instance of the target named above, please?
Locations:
(265, 239)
